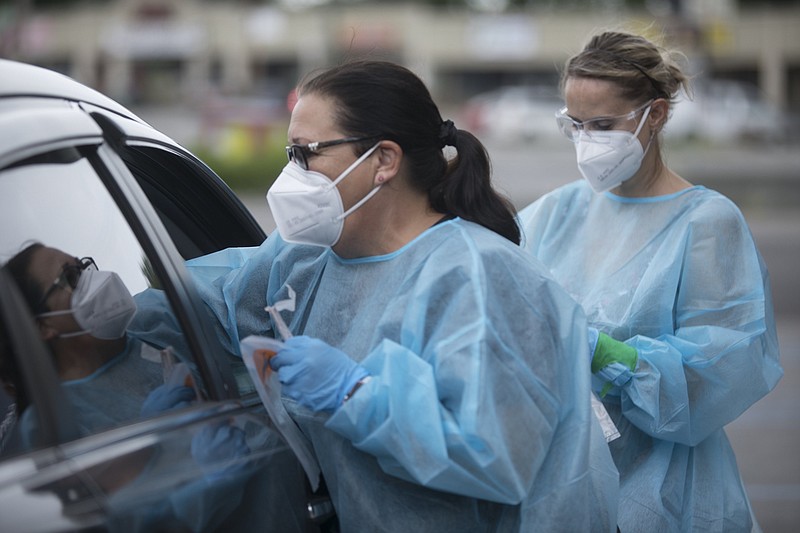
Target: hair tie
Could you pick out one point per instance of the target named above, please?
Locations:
(448, 134)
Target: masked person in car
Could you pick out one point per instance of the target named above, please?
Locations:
(83, 314)
(112, 377)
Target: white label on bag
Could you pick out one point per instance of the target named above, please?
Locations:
(610, 431)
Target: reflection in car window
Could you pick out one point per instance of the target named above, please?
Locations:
(78, 263)
(225, 474)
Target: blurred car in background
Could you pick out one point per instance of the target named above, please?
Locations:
(239, 126)
(80, 173)
(722, 111)
(513, 113)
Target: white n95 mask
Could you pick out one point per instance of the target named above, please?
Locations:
(607, 158)
(100, 304)
(307, 207)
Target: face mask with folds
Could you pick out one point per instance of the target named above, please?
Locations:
(608, 158)
(100, 304)
(307, 206)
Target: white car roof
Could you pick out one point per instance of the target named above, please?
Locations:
(21, 79)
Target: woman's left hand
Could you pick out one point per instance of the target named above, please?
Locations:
(315, 373)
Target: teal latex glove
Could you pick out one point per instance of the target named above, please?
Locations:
(607, 352)
(316, 374)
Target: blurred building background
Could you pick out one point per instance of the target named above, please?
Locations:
(494, 61)
(173, 50)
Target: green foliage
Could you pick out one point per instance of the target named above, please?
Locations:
(253, 172)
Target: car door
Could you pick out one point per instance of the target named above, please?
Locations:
(83, 452)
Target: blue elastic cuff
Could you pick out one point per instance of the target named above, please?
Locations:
(592, 337)
(616, 374)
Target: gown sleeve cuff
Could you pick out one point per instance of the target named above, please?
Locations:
(616, 373)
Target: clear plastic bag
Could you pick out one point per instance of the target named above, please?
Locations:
(256, 352)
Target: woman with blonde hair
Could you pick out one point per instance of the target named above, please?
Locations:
(682, 334)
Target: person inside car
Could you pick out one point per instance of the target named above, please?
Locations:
(83, 313)
(112, 377)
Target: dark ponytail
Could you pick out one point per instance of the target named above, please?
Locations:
(383, 99)
(466, 190)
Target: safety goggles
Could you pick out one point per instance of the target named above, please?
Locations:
(68, 277)
(571, 128)
(299, 153)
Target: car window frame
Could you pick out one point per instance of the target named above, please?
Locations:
(100, 128)
(132, 133)
(166, 261)
(122, 133)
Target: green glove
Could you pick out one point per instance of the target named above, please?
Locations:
(608, 351)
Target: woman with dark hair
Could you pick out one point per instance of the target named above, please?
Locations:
(83, 314)
(436, 368)
(682, 331)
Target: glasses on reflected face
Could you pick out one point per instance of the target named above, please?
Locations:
(571, 128)
(68, 277)
(300, 153)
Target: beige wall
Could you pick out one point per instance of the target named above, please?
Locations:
(98, 44)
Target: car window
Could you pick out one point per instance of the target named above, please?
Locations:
(82, 269)
(200, 213)
(218, 466)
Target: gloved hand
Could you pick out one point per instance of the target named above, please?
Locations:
(221, 450)
(610, 359)
(316, 374)
(166, 397)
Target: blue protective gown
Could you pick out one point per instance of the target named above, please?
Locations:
(110, 396)
(477, 416)
(127, 379)
(679, 278)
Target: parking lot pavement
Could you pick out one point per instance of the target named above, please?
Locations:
(766, 439)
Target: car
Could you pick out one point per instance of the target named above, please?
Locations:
(725, 111)
(514, 113)
(82, 174)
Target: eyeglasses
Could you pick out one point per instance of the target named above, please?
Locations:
(571, 127)
(299, 153)
(68, 277)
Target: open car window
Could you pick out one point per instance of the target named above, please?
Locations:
(200, 214)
